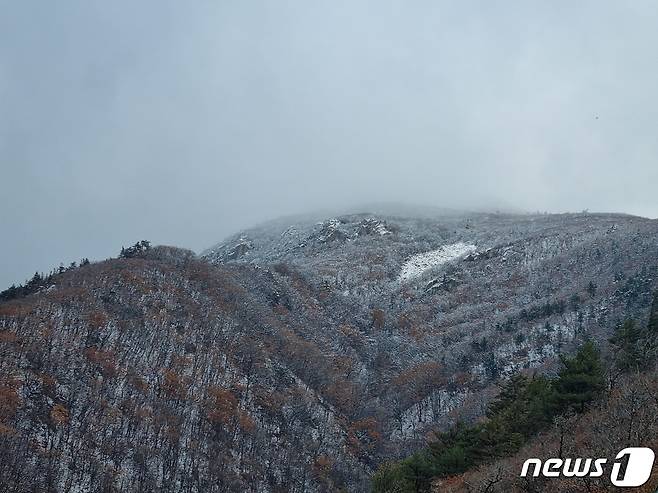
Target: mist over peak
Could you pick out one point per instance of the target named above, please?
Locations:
(185, 123)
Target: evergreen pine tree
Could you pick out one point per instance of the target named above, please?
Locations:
(650, 342)
(628, 341)
(511, 392)
(652, 326)
(581, 378)
(34, 283)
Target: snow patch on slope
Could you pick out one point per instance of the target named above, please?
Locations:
(422, 262)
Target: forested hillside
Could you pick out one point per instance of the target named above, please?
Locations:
(624, 416)
(594, 407)
(302, 355)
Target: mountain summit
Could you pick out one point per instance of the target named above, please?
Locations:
(300, 355)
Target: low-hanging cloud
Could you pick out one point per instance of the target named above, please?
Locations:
(182, 122)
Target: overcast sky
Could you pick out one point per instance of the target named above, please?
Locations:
(182, 122)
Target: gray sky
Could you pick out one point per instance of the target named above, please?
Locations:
(181, 122)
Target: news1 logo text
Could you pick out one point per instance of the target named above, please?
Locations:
(631, 467)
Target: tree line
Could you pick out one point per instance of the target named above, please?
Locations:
(525, 406)
(40, 281)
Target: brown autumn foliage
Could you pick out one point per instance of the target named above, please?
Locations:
(7, 431)
(462, 378)
(378, 318)
(419, 380)
(59, 415)
(246, 422)
(353, 337)
(9, 399)
(222, 406)
(280, 310)
(272, 402)
(138, 382)
(8, 337)
(97, 319)
(364, 435)
(322, 466)
(105, 361)
(304, 356)
(49, 384)
(343, 394)
(173, 386)
(343, 366)
(15, 309)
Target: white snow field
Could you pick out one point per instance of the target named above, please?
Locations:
(421, 262)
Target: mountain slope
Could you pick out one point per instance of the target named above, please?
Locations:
(298, 356)
(625, 417)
